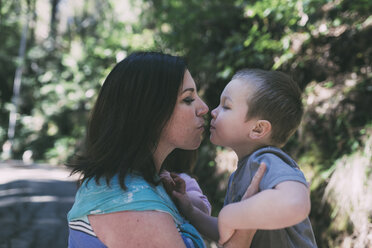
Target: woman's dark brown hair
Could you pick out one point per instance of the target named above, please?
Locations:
(133, 106)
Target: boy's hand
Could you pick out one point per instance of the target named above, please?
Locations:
(179, 195)
(167, 181)
(176, 189)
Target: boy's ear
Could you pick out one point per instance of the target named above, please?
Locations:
(260, 129)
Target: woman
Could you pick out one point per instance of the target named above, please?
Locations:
(147, 108)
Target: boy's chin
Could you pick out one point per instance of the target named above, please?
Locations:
(213, 141)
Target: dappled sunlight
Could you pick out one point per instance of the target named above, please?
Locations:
(15, 191)
(9, 200)
(226, 160)
(350, 191)
(34, 172)
(34, 201)
(71, 46)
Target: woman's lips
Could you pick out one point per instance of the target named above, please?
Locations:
(201, 127)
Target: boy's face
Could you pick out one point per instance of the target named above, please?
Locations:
(229, 126)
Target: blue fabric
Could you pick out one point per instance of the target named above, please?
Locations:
(280, 167)
(78, 239)
(93, 198)
(188, 242)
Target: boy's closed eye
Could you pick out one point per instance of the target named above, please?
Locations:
(226, 103)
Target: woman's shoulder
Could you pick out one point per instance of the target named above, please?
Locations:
(130, 180)
(122, 227)
(106, 197)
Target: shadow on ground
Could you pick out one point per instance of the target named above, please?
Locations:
(33, 210)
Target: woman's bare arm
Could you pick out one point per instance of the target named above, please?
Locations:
(136, 229)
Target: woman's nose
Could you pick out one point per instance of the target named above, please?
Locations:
(203, 108)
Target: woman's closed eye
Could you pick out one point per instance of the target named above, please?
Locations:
(188, 100)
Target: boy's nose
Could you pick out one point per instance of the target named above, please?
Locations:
(214, 113)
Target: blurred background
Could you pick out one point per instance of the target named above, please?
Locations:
(55, 54)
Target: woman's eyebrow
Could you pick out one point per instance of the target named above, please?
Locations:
(188, 89)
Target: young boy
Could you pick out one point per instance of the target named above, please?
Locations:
(258, 112)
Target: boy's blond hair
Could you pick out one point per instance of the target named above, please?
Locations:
(277, 99)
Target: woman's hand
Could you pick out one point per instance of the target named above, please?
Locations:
(254, 186)
(225, 233)
(242, 238)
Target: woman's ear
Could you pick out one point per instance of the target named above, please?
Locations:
(260, 129)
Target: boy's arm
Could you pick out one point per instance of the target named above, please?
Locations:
(197, 201)
(195, 194)
(192, 189)
(207, 225)
(285, 205)
(204, 223)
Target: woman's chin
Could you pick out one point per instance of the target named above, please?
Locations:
(194, 146)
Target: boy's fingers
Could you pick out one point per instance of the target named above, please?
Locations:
(179, 183)
(168, 180)
(164, 176)
(174, 175)
(164, 173)
(178, 180)
(254, 186)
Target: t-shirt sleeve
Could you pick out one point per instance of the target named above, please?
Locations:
(277, 171)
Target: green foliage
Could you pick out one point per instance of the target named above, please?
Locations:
(319, 42)
(323, 44)
(62, 73)
(9, 22)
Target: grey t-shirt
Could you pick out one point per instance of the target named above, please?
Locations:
(279, 168)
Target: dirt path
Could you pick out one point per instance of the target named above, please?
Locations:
(34, 201)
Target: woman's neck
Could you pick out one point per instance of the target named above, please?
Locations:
(160, 154)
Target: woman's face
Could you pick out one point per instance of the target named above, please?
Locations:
(186, 125)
